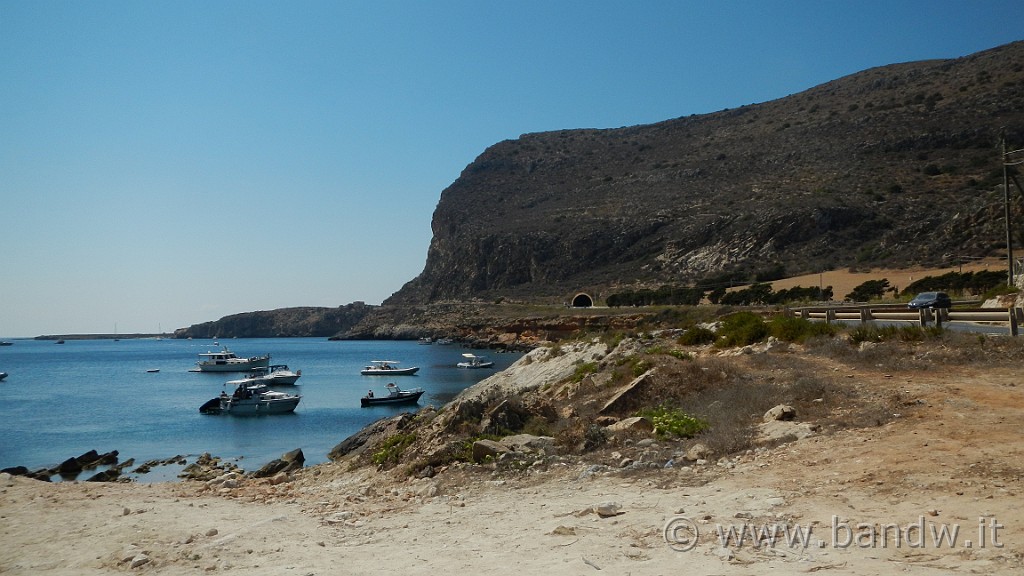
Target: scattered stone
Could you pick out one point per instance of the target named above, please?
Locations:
(608, 509)
(698, 452)
(563, 531)
(780, 412)
(140, 560)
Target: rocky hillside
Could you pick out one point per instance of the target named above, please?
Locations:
(894, 166)
(305, 321)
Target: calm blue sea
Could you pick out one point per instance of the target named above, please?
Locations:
(61, 400)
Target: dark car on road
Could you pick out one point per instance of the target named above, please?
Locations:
(931, 300)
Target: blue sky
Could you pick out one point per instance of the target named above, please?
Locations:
(164, 163)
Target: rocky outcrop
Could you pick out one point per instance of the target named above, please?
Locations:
(284, 322)
(851, 172)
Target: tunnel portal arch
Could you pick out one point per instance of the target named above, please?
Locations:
(582, 300)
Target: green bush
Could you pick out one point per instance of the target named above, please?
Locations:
(796, 329)
(697, 336)
(392, 448)
(673, 422)
(741, 329)
(583, 370)
(907, 333)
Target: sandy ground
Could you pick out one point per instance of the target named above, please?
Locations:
(844, 281)
(955, 459)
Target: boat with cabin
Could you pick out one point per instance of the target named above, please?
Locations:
(227, 361)
(251, 400)
(474, 361)
(387, 368)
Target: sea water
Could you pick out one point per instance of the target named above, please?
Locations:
(62, 400)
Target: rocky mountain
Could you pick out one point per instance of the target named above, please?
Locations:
(898, 165)
(304, 321)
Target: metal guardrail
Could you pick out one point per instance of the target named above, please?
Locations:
(1013, 317)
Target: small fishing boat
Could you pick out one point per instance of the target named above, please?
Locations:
(387, 368)
(153, 370)
(251, 400)
(395, 395)
(474, 361)
(228, 361)
(3, 375)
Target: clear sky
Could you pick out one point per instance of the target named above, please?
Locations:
(165, 163)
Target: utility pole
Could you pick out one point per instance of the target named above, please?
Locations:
(1006, 205)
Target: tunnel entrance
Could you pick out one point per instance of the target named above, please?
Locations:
(582, 300)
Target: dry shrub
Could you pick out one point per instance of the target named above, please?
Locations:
(580, 435)
(733, 410)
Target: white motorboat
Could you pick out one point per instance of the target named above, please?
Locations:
(387, 368)
(251, 400)
(273, 375)
(228, 361)
(474, 361)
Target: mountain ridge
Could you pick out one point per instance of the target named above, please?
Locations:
(892, 166)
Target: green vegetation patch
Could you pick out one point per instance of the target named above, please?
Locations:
(673, 422)
(392, 448)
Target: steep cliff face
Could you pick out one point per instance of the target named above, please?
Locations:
(897, 165)
(284, 322)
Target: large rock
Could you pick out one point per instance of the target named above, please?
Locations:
(633, 424)
(630, 396)
(488, 449)
(528, 443)
(288, 462)
(783, 412)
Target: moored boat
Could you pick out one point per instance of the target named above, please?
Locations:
(228, 361)
(274, 375)
(387, 368)
(395, 395)
(251, 400)
(474, 361)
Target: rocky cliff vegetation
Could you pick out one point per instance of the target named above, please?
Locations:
(897, 165)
